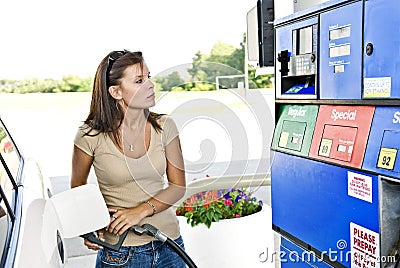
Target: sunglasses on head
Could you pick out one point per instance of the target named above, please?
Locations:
(112, 57)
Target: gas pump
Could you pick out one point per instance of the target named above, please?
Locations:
(335, 168)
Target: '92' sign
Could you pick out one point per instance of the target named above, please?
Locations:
(386, 158)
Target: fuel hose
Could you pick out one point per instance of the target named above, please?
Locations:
(147, 229)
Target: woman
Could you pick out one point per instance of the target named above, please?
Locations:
(131, 149)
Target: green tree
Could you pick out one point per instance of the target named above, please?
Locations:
(221, 53)
(170, 81)
(74, 83)
(205, 68)
(69, 83)
(196, 69)
(237, 58)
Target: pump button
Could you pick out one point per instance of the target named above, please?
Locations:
(369, 49)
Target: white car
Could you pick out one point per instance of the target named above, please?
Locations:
(33, 224)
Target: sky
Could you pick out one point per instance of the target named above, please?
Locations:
(51, 38)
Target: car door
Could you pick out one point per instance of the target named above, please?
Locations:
(10, 206)
(24, 192)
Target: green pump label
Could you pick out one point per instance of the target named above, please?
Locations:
(294, 129)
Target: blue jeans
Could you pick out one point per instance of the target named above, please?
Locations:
(155, 254)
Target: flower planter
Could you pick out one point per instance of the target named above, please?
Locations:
(240, 242)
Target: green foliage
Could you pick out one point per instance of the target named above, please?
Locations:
(69, 83)
(229, 55)
(3, 133)
(169, 82)
(212, 206)
(73, 83)
(197, 86)
(224, 60)
(197, 59)
(221, 53)
(261, 81)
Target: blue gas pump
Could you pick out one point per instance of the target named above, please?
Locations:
(337, 203)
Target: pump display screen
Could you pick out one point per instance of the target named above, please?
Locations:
(304, 40)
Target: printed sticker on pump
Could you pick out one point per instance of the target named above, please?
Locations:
(359, 186)
(325, 147)
(283, 140)
(387, 158)
(365, 248)
(377, 87)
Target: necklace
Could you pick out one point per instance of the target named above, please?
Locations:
(131, 146)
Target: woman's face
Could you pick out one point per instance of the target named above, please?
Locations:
(137, 89)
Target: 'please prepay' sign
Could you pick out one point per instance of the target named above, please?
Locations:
(364, 247)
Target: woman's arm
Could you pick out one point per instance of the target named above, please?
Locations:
(81, 164)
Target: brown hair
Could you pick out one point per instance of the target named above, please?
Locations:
(105, 115)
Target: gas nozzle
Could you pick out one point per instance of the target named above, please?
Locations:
(138, 230)
(149, 230)
(284, 58)
(92, 237)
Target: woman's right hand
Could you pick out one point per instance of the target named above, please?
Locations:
(94, 246)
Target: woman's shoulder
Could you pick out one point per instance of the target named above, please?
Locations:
(85, 131)
(162, 118)
(88, 139)
(166, 121)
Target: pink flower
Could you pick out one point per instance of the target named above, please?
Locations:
(228, 202)
(237, 216)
